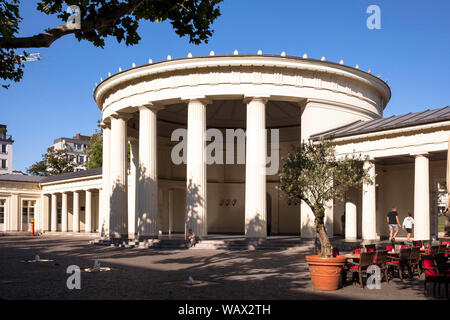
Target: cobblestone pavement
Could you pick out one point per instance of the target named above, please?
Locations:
(161, 274)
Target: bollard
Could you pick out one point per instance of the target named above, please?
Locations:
(32, 227)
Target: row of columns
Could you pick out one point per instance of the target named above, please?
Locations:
(421, 204)
(75, 214)
(115, 221)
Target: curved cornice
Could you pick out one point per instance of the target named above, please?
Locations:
(269, 62)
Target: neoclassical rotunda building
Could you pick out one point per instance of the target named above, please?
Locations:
(144, 190)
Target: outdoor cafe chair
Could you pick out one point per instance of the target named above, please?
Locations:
(365, 260)
(370, 247)
(356, 249)
(435, 274)
(414, 261)
(417, 243)
(401, 261)
(380, 260)
(433, 250)
(442, 249)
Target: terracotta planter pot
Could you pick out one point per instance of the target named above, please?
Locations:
(326, 272)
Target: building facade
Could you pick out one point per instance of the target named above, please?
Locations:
(6, 151)
(76, 149)
(169, 115)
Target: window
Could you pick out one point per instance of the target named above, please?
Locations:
(28, 210)
(3, 150)
(3, 164)
(81, 158)
(77, 146)
(2, 210)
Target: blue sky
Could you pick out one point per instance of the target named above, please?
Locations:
(411, 51)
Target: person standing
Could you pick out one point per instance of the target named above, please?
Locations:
(394, 224)
(408, 224)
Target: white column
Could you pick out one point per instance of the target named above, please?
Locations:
(99, 208)
(45, 214)
(103, 216)
(64, 214)
(148, 173)
(76, 212)
(196, 180)
(54, 219)
(170, 212)
(421, 198)
(118, 215)
(308, 126)
(88, 211)
(133, 188)
(351, 231)
(369, 230)
(255, 169)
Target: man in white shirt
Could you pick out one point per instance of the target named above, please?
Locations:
(408, 224)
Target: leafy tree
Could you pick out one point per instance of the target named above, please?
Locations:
(100, 19)
(53, 162)
(95, 150)
(313, 174)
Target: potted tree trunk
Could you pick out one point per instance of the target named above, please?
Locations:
(313, 174)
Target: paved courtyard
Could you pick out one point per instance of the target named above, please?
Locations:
(161, 274)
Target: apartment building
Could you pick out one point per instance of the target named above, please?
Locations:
(6, 151)
(76, 149)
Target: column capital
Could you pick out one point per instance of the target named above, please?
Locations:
(122, 115)
(155, 107)
(202, 99)
(419, 154)
(263, 99)
(106, 123)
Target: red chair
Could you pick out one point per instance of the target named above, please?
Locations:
(380, 259)
(417, 243)
(366, 259)
(389, 248)
(401, 262)
(415, 262)
(435, 274)
(404, 246)
(335, 252)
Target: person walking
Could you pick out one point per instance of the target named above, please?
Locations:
(408, 224)
(394, 224)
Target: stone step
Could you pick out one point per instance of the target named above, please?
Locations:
(180, 244)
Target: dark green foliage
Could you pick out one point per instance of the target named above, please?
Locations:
(100, 19)
(53, 162)
(313, 174)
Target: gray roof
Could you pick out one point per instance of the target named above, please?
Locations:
(20, 178)
(73, 175)
(393, 122)
(58, 177)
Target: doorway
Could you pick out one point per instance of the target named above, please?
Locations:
(28, 209)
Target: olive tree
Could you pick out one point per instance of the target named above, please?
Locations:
(313, 174)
